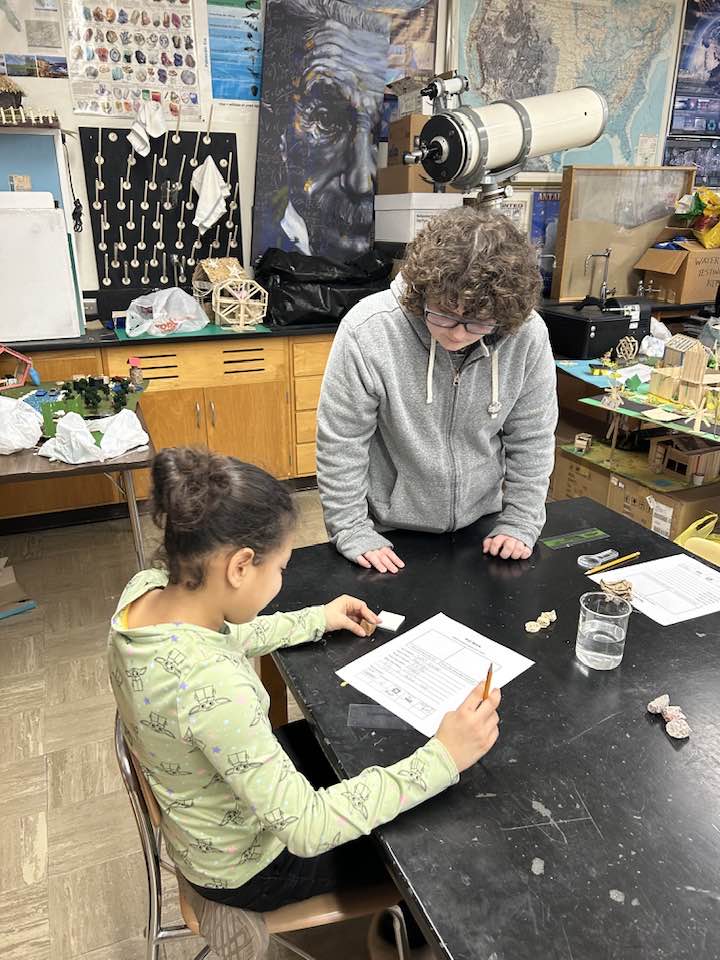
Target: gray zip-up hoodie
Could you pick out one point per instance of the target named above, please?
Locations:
(406, 440)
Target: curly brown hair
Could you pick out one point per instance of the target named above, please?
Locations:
(476, 261)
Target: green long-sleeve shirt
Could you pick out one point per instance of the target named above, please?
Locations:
(196, 716)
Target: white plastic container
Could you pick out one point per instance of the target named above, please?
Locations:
(400, 216)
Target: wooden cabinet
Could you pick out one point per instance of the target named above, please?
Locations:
(254, 398)
(309, 357)
(175, 418)
(63, 364)
(305, 425)
(251, 421)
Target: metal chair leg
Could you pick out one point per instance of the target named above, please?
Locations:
(400, 929)
(153, 927)
(298, 951)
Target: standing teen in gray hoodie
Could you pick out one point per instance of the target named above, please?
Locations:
(438, 404)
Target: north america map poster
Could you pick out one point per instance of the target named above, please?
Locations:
(624, 48)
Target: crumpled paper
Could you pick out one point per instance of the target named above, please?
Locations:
(20, 425)
(74, 443)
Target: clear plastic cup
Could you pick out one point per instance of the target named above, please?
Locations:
(602, 629)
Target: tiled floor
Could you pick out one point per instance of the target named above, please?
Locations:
(72, 880)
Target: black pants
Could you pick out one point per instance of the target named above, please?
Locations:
(288, 878)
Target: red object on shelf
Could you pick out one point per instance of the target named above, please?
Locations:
(20, 375)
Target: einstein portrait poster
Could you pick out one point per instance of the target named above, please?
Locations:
(324, 74)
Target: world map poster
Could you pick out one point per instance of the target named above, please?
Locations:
(626, 49)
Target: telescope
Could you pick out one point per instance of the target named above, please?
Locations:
(484, 147)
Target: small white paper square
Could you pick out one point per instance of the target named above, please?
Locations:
(390, 621)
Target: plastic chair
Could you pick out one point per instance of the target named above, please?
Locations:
(239, 928)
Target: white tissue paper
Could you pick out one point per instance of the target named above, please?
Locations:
(654, 344)
(211, 188)
(20, 425)
(149, 122)
(74, 443)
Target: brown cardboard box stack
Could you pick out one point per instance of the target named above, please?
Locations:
(403, 136)
(666, 514)
(402, 179)
(576, 478)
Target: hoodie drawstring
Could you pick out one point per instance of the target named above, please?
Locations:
(494, 406)
(430, 370)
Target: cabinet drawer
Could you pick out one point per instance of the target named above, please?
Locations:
(309, 358)
(305, 424)
(60, 364)
(224, 361)
(305, 459)
(307, 393)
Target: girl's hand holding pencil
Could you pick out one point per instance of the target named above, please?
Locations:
(470, 732)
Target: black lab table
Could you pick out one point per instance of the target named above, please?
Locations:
(586, 834)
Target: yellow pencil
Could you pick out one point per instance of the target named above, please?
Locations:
(488, 682)
(613, 563)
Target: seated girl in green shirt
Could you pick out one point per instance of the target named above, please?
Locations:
(251, 817)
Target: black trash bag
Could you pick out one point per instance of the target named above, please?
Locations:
(316, 290)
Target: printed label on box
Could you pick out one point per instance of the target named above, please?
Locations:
(662, 519)
(423, 217)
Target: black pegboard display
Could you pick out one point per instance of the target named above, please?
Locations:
(172, 188)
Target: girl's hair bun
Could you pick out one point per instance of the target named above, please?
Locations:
(181, 486)
(206, 501)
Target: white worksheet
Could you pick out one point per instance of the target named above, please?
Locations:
(429, 670)
(670, 590)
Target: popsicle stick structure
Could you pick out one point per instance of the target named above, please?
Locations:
(23, 365)
(235, 301)
(684, 376)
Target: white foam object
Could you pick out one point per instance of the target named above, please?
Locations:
(390, 621)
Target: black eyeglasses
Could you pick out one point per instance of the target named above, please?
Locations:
(449, 322)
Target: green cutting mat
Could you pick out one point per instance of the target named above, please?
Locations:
(211, 330)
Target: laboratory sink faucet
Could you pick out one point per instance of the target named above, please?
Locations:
(604, 291)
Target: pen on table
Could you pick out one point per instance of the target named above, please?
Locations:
(613, 563)
(488, 682)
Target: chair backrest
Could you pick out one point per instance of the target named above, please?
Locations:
(144, 806)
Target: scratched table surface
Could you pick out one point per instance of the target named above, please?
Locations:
(586, 833)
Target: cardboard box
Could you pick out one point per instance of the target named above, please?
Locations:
(574, 477)
(399, 216)
(403, 136)
(666, 514)
(689, 275)
(13, 598)
(402, 179)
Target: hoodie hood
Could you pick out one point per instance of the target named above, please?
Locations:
(420, 327)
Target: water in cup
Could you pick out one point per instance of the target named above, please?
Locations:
(602, 629)
(600, 644)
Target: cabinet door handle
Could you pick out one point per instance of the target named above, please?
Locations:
(212, 412)
(197, 415)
